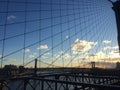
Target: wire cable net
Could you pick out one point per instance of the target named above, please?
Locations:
(59, 33)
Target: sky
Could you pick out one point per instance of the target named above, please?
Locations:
(60, 33)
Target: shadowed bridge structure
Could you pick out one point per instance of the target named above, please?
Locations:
(60, 44)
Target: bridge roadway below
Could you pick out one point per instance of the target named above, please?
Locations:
(64, 79)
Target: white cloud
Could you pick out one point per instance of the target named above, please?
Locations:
(31, 56)
(61, 52)
(67, 37)
(95, 57)
(110, 47)
(80, 46)
(100, 55)
(106, 41)
(11, 17)
(115, 47)
(45, 55)
(27, 50)
(0, 56)
(107, 48)
(84, 60)
(66, 56)
(42, 47)
(114, 54)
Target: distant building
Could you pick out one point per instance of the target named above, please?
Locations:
(21, 69)
(10, 70)
(10, 66)
(118, 65)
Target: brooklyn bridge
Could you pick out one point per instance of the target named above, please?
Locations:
(59, 44)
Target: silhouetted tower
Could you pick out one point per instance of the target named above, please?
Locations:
(116, 8)
(35, 67)
(92, 65)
